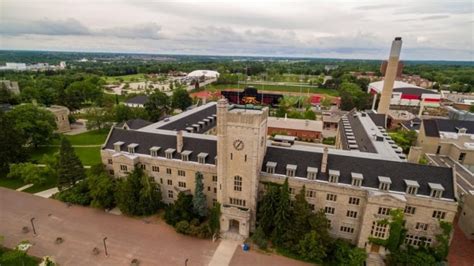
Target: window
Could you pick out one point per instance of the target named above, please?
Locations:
(208, 188)
(435, 193)
(168, 171)
(329, 210)
(292, 190)
(143, 166)
(214, 178)
(181, 173)
(215, 190)
(155, 168)
(109, 161)
(170, 194)
(245, 157)
(439, 214)
(170, 182)
(169, 153)
(312, 173)
(132, 147)
(352, 214)
(161, 180)
(237, 183)
(421, 226)
(333, 176)
(379, 229)
(290, 170)
(412, 190)
(271, 167)
(384, 211)
(412, 187)
(310, 193)
(123, 167)
(462, 155)
(347, 229)
(239, 202)
(118, 146)
(417, 240)
(202, 157)
(410, 209)
(231, 156)
(154, 151)
(331, 197)
(357, 179)
(111, 172)
(354, 201)
(384, 183)
(182, 184)
(214, 202)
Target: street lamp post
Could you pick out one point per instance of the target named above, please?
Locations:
(186, 262)
(33, 225)
(105, 247)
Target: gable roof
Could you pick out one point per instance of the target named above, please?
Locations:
(134, 123)
(140, 99)
(434, 126)
(193, 118)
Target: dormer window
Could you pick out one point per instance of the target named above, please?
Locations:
(154, 151)
(412, 187)
(185, 155)
(118, 146)
(357, 179)
(291, 170)
(271, 167)
(312, 173)
(202, 157)
(169, 153)
(384, 183)
(436, 190)
(132, 147)
(334, 176)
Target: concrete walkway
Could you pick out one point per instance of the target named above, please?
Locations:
(24, 187)
(47, 193)
(224, 252)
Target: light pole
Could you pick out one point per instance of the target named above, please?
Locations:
(105, 247)
(186, 262)
(33, 225)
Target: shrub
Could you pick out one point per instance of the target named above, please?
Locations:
(78, 194)
(182, 227)
(259, 239)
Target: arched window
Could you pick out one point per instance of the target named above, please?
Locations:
(237, 183)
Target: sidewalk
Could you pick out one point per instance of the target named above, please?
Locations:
(224, 252)
(47, 193)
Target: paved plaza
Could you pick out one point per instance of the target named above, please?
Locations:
(149, 240)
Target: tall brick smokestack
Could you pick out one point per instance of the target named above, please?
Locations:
(390, 75)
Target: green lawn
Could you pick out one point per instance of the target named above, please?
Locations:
(11, 183)
(94, 137)
(50, 183)
(125, 78)
(281, 88)
(88, 155)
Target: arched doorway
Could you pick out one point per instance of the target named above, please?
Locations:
(234, 226)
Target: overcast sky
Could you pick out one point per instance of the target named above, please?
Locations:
(438, 30)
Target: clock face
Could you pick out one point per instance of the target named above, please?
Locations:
(238, 144)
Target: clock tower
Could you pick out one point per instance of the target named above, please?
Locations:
(241, 146)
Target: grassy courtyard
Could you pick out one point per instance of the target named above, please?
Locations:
(125, 78)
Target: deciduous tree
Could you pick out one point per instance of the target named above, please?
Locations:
(181, 99)
(157, 105)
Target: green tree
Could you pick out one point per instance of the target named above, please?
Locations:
(181, 210)
(199, 199)
(341, 253)
(102, 188)
(35, 124)
(267, 208)
(442, 248)
(282, 214)
(77, 194)
(122, 113)
(157, 105)
(11, 143)
(311, 247)
(214, 218)
(70, 168)
(300, 224)
(181, 99)
(28, 172)
(471, 108)
(138, 194)
(98, 118)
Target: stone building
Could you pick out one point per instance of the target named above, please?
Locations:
(61, 116)
(356, 189)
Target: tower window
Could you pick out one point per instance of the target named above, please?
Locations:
(237, 183)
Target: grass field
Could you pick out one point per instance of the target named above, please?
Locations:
(125, 78)
(10, 183)
(281, 88)
(87, 155)
(94, 137)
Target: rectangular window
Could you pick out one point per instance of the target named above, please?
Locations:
(310, 193)
(235, 201)
(181, 173)
(170, 194)
(182, 184)
(354, 201)
(312, 175)
(331, 197)
(143, 166)
(356, 182)
(168, 171)
(111, 172)
(169, 155)
(123, 167)
(170, 182)
(270, 169)
(292, 190)
(439, 214)
(155, 168)
(208, 188)
(410, 210)
(421, 226)
(215, 190)
(161, 180)
(290, 172)
(329, 210)
(185, 157)
(333, 178)
(384, 211)
(214, 178)
(352, 214)
(231, 156)
(379, 229)
(417, 240)
(109, 161)
(347, 229)
(237, 183)
(202, 159)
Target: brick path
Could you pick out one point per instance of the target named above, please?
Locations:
(461, 252)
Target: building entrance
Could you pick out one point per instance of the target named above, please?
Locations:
(234, 226)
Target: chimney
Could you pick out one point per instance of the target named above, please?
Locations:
(179, 141)
(324, 162)
(390, 75)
